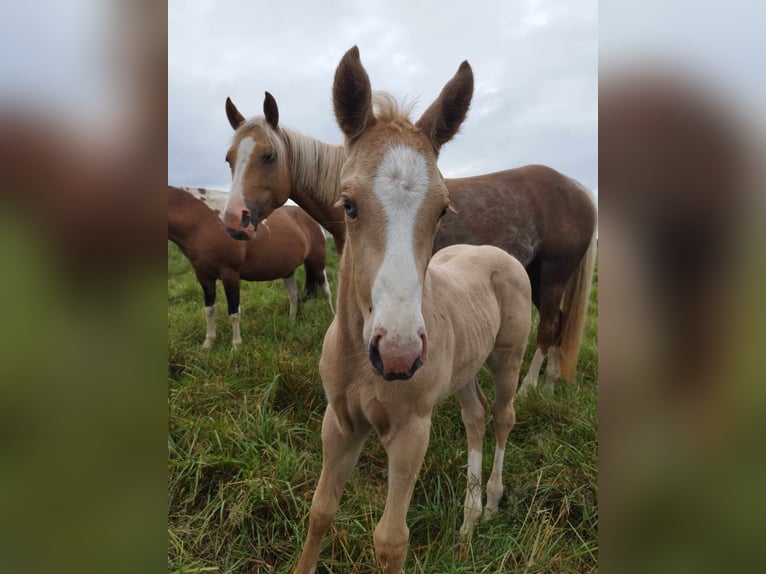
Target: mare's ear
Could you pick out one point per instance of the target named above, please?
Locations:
(441, 121)
(235, 118)
(352, 96)
(270, 110)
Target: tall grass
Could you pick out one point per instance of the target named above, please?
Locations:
(244, 454)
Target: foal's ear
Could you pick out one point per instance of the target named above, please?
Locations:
(352, 96)
(270, 110)
(235, 118)
(441, 121)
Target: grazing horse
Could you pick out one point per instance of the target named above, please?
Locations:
(288, 239)
(407, 333)
(540, 216)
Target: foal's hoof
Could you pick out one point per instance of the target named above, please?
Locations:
(236, 344)
(208, 343)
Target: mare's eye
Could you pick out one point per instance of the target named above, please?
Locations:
(349, 208)
(268, 157)
(443, 213)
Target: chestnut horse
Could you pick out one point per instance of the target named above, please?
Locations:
(411, 330)
(289, 237)
(543, 218)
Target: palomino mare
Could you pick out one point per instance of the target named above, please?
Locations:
(407, 333)
(543, 218)
(288, 239)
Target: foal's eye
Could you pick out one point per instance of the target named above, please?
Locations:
(268, 157)
(349, 208)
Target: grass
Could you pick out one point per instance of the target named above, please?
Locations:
(244, 454)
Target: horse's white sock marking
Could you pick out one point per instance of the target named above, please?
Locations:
(401, 183)
(210, 335)
(327, 292)
(236, 338)
(472, 506)
(553, 370)
(530, 381)
(292, 294)
(495, 482)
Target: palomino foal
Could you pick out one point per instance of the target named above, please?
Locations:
(408, 334)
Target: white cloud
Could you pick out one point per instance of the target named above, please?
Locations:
(534, 64)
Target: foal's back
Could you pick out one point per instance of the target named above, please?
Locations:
(477, 297)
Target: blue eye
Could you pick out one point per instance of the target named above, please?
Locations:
(349, 208)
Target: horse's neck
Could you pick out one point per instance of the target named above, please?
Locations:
(315, 174)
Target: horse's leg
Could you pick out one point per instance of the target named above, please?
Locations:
(553, 369)
(530, 380)
(473, 411)
(327, 292)
(292, 294)
(231, 288)
(406, 449)
(208, 290)
(553, 280)
(340, 453)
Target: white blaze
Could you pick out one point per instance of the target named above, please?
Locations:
(401, 184)
(244, 153)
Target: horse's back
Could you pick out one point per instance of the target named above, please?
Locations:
(524, 211)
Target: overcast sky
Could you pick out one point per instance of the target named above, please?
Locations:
(534, 63)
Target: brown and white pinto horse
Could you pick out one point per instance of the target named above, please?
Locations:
(411, 329)
(288, 239)
(540, 216)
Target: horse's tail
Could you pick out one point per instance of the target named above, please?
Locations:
(574, 311)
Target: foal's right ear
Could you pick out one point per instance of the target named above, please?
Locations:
(235, 118)
(352, 96)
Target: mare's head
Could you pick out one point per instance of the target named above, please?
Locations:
(259, 169)
(394, 196)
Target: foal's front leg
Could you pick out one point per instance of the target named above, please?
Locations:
(340, 452)
(406, 449)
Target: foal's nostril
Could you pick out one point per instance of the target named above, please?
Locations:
(374, 355)
(246, 219)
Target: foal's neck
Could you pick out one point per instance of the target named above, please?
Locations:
(349, 316)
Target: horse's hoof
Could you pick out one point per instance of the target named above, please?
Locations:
(236, 344)
(207, 344)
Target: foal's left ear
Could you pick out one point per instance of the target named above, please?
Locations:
(352, 96)
(270, 110)
(441, 121)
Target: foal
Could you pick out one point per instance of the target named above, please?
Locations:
(409, 334)
(289, 237)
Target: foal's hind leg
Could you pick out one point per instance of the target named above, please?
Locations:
(292, 294)
(504, 365)
(473, 411)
